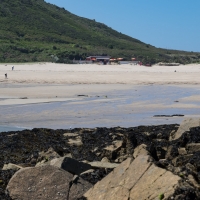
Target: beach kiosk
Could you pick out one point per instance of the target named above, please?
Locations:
(98, 59)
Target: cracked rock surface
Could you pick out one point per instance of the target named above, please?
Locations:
(46, 182)
(138, 179)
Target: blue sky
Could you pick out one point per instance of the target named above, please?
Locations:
(170, 24)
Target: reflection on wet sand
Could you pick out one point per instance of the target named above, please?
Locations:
(127, 106)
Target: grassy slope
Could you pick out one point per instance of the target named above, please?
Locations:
(33, 30)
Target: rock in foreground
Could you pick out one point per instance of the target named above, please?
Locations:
(107, 148)
(139, 179)
(46, 182)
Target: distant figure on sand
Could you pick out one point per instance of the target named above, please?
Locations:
(12, 67)
(6, 75)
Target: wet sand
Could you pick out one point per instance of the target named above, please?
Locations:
(63, 96)
(127, 107)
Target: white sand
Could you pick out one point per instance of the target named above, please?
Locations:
(47, 81)
(51, 73)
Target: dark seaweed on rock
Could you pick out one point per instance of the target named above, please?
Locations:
(5, 176)
(23, 147)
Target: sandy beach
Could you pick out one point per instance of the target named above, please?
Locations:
(63, 95)
(51, 73)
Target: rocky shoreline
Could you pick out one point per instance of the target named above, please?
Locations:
(93, 159)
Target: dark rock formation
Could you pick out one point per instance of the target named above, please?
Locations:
(71, 165)
(179, 156)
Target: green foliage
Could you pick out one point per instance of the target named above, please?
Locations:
(33, 30)
(110, 46)
(161, 196)
(181, 175)
(46, 159)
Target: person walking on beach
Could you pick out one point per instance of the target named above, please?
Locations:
(6, 75)
(12, 67)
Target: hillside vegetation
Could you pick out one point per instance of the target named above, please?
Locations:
(33, 30)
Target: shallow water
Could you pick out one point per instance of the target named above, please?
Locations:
(10, 128)
(126, 108)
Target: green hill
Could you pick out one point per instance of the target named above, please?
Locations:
(33, 30)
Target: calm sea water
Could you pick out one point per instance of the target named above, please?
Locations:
(125, 108)
(10, 128)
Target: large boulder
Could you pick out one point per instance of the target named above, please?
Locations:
(138, 179)
(71, 165)
(44, 183)
(185, 126)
